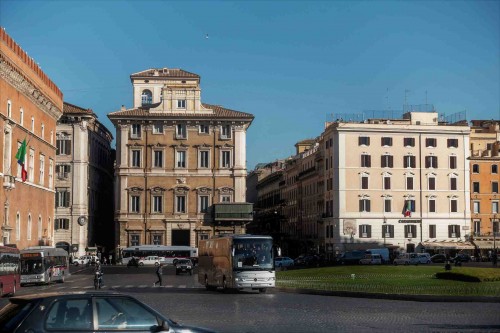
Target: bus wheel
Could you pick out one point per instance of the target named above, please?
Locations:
(262, 290)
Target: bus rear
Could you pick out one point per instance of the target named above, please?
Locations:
(10, 278)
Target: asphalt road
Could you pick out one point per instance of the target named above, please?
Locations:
(184, 300)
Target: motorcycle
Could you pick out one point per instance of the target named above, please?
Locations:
(98, 279)
(133, 262)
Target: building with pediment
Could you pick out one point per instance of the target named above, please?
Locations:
(180, 163)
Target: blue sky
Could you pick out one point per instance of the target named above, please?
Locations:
(290, 63)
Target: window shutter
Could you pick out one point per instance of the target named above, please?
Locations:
(405, 161)
(391, 161)
(367, 205)
(57, 199)
(360, 206)
(57, 168)
(369, 161)
(382, 161)
(67, 147)
(436, 159)
(427, 161)
(66, 199)
(360, 141)
(457, 231)
(360, 231)
(450, 230)
(56, 223)
(391, 230)
(369, 231)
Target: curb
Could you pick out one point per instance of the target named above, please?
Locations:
(398, 297)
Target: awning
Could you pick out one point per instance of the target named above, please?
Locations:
(448, 245)
(485, 244)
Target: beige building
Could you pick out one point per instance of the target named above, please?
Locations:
(485, 199)
(30, 104)
(176, 158)
(401, 183)
(84, 183)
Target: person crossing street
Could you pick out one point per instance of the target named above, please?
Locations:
(159, 272)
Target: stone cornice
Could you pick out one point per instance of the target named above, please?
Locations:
(24, 85)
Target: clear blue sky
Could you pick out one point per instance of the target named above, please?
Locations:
(290, 63)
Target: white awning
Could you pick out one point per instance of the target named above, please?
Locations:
(448, 245)
(485, 244)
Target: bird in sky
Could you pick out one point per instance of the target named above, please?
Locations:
(206, 36)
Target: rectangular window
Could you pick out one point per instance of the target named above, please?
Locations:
(452, 143)
(226, 159)
(387, 183)
(366, 161)
(134, 240)
(475, 187)
(157, 128)
(432, 205)
(432, 183)
(409, 142)
(431, 142)
(225, 198)
(157, 239)
(409, 183)
(136, 131)
(386, 161)
(410, 231)
(136, 158)
(157, 204)
(181, 103)
(453, 162)
(476, 207)
(494, 187)
(180, 204)
(203, 204)
(409, 161)
(364, 205)
(364, 141)
(475, 168)
(432, 231)
(204, 159)
(42, 169)
(158, 158)
(386, 141)
(364, 182)
(387, 231)
(63, 147)
(454, 231)
(453, 205)
(61, 224)
(477, 228)
(181, 159)
(387, 205)
(494, 207)
(135, 204)
(365, 231)
(62, 198)
(51, 173)
(31, 166)
(180, 131)
(204, 129)
(453, 184)
(225, 132)
(431, 162)
(494, 168)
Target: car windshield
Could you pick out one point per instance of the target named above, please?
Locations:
(184, 262)
(31, 266)
(253, 254)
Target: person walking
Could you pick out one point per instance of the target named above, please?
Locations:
(159, 272)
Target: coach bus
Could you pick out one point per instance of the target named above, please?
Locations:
(43, 264)
(10, 279)
(170, 254)
(237, 261)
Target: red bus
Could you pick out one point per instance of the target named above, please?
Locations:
(9, 270)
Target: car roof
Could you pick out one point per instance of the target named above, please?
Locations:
(71, 294)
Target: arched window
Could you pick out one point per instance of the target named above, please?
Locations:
(18, 226)
(147, 97)
(29, 227)
(39, 227)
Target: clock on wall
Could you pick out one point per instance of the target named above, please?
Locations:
(82, 220)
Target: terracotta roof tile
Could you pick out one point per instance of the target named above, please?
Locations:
(219, 112)
(70, 108)
(165, 72)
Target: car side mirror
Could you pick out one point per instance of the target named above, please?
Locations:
(163, 327)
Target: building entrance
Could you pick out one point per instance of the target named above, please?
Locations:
(181, 237)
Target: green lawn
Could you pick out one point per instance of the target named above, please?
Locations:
(410, 280)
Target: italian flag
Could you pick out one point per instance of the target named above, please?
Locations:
(407, 209)
(21, 153)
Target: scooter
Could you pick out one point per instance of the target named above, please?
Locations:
(98, 279)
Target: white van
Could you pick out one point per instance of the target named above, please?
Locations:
(84, 260)
(424, 258)
(407, 259)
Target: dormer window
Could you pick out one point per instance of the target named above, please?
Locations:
(146, 97)
(181, 103)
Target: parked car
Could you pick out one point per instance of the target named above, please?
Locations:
(438, 258)
(407, 259)
(184, 266)
(283, 262)
(351, 257)
(371, 259)
(85, 260)
(424, 258)
(152, 260)
(461, 257)
(89, 311)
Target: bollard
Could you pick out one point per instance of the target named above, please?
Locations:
(353, 276)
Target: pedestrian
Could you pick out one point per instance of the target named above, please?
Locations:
(104, 261)
(159, 272)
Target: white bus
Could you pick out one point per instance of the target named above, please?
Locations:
(170, 254)
(43, 264)
(237, 261)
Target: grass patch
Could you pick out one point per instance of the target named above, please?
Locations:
(470, 274)
(405, 280)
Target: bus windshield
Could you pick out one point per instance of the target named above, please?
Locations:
(32, 266)
(251, 254)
